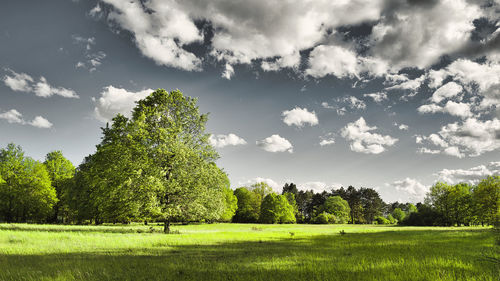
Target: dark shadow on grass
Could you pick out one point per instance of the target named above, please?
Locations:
(390, 255)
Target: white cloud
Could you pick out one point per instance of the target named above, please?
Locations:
(471, 137)
(299, 117)
(15, 117)
(25, 83)
(362, 140)
(318, 186)
(41, 122)
(274, 185)
(287, 61)
(18, 81)
(329, 141)
(459, 109)
(342, 63)
(413, 188)
(275, 143)
(377, 97)
(159, 35)
(418, 33)
(449, 90)
(402, 127)
(228, 72)
(116, 100)
(226, 140)
(472, 175)
(326, 105)
(12, 116)
(411, 85)
(43, 89)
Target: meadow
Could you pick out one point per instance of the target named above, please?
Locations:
(247, 252)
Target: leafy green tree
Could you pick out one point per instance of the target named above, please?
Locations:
(157, 164)
(324, 218)
(276, 209)
(398, 214)
(290, 188)
(460, 199)
(304, 200)
(248, 205)
(61, 172)
(371, 203)
(486, 200)
(439, 198)
(290, 197)
(230, 204)
(262, 189)
(26, 193)
(353, 197)
(338, 207)
(411, 209)
(391, 219)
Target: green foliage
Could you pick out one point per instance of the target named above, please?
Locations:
(381, 220)
(324, 218)
(230, 204)
(248, 205)
(486, 200)
(26, 193)
(338, 207)
(61, 172)
(276, 209)
(261, 188)
(398, 214)
(159, 164)
(411, 209)
(391, 219)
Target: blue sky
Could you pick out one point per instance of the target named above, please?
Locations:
(392, 95)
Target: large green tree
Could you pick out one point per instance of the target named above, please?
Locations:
(158, 164)
(248, 205)
(26, 193)
(486, 200)
(61, 172)
(338, 207)
(276, 209)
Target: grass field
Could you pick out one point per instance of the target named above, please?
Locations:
(247, 252)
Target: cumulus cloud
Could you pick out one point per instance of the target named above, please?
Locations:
(402, 127)
(342, 63)
(471, 137)
(411, 85)
(328, 141)
(273, 184)
(418, 33)
(220, 141)
(450, 89)
(412, 187)
(228, 72)
(12, 116)
(459, 109)
(40, 122)
(363, 140)
(275, 143)
(25, 83)
(15, 117)
(472, 175)
(299, 117)
(377, 97)
(116, 100)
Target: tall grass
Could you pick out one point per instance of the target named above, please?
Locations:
(246, 252)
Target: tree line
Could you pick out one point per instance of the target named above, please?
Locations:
(158, 166)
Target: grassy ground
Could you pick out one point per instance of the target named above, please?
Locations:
(246, 252)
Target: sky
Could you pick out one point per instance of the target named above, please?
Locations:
(388, 94)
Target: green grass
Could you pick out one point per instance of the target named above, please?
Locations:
(247, 252)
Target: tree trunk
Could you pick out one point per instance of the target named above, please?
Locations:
(166, 227)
